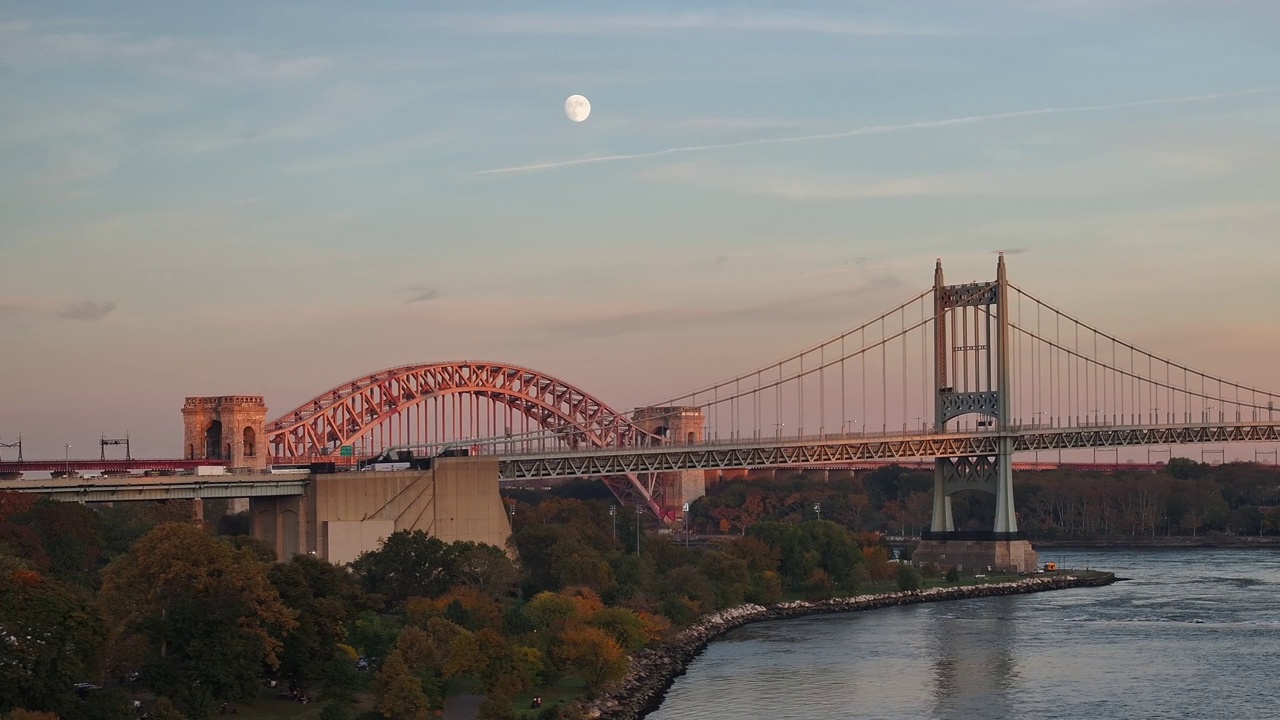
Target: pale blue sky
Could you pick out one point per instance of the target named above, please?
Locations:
(208, 198)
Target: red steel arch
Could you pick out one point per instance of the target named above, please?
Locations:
(348, 412)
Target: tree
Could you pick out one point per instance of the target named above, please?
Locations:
(623, 625)
(206, 614)
(729, 576)
(163, 709)
(408, 564)
(324, 598)
(909, 577)
(486, 568)
(399, 692)
(592, 654)
(50, 636)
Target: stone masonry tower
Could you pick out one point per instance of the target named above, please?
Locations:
(678, 425)
(228, 428)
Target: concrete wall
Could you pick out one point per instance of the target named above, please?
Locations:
(344, 514)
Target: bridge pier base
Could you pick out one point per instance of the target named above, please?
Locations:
(973, 552)
(344, 514)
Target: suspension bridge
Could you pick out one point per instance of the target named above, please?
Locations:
(966, 375)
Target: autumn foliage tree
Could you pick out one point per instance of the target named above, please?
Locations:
(205, 612)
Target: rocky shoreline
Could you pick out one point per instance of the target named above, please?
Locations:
(652, 671)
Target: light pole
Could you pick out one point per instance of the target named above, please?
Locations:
(920, 421)
(613, 515)
(777, 430)
(817, 508)
(66, 460)
(511, 512)
(638, 511)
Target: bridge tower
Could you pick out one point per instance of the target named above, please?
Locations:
(972, 377)
(226, 428)
(677, 425)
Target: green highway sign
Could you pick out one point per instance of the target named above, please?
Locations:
(346, 451)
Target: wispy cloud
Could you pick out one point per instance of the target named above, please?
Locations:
(25, 44)
(876, 130)
(422, 294)
(87, 310)
(796, 308)
(744, 20)
(793, 186)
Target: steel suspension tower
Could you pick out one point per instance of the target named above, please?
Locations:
(972, 377)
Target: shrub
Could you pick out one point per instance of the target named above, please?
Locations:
(909, 578)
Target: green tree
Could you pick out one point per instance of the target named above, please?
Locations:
(623, 625)
(50, 636)
(730, 579)
(486, 568)
(909, 577)
(205, 613)
(408, 564)
(324, 598)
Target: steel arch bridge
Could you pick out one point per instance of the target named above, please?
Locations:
(451, 402)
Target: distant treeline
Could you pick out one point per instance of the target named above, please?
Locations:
(1186, 498)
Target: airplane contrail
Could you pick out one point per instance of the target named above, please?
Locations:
(875, 130)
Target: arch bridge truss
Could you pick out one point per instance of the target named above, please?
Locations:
(438, 405)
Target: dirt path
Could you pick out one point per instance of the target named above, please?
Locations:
(462, 707)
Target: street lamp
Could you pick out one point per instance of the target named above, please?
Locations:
(777, 432)
(817, 508)
(511, 511)
(638, 511)
(66, 460)
(613, 515)
(920, 420)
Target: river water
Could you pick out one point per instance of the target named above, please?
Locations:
(1192, 634)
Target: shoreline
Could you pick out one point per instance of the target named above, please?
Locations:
(1224, 542)
(653, 671)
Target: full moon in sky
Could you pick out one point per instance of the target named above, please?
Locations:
(577, 108)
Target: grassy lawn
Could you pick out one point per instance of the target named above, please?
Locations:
(268, 706)
(566, 691)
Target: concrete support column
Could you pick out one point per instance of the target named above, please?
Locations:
(197, 510)
(1006, 518)
(942, 519)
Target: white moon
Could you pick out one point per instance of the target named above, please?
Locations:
(577, 108)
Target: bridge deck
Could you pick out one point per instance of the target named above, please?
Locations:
(162, 488)
(790, 452)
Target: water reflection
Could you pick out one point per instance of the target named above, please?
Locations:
(974, 668)
(1193, 634)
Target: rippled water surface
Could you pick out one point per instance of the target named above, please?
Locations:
(1192, 634)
